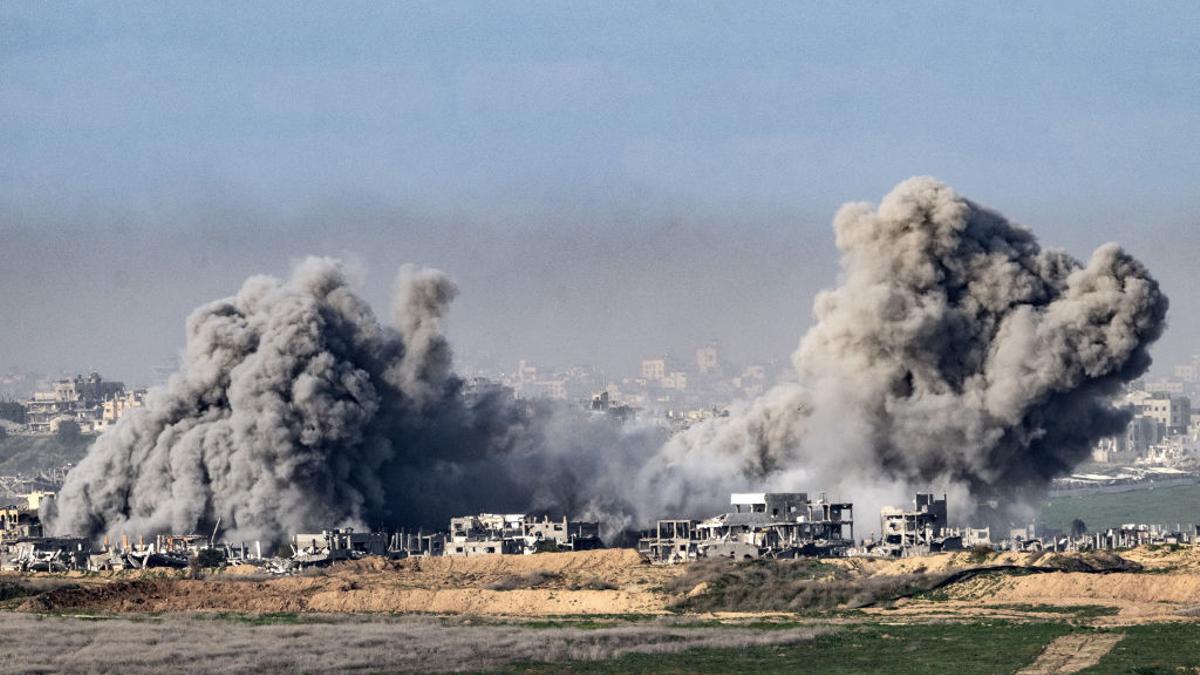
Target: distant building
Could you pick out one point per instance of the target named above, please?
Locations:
(1173, 412)
(654, 369)
(79, 400)
(1165, 387)
(708, 359)
(115, 407)
(552, 389)
(677, 380)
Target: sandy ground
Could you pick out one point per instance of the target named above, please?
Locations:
(621, 582)
(592, 582)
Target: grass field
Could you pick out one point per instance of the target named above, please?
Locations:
(869, 648)
(1166, 506)
(1158, 648)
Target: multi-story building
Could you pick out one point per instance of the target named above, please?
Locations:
(762, 524)
(654, 369)
(708, 359)
(115, 407)
(516, 533)
(1173, 412)
(79, 400)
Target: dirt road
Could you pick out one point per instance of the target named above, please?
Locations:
(1072, 653)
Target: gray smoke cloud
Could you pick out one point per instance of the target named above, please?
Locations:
(955, 353)
(294, 408)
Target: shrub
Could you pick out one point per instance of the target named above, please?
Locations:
(528, 580)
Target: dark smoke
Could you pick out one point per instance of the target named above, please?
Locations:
(954, 353)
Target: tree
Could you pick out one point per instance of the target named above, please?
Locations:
(12, 410)
(68, 431)
(1078, 527)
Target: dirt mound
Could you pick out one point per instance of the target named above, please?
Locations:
(169, 595)
(1091, 561)
(598, 563)
(1077, 588)
(1178, 558)
(609, 581)
(523, 602)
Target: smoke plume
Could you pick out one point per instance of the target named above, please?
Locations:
(955, 353)
(294, 409)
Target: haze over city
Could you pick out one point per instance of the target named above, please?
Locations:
(603, 186)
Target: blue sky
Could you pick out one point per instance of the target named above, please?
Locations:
(577, 141)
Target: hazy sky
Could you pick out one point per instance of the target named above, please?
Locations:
(606, 182)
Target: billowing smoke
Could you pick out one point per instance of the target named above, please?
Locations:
(955, 353)
(295, 409)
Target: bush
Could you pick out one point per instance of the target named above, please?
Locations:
(68, 431)
(595, 584)
(786, 586)
(12, 411)
(980, 553)
(528, 580)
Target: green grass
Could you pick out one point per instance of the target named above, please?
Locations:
(1070, 611)
(1155, 648)
(1165, 506)
(963, 649)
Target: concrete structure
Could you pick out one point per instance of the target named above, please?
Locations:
(671, 541)
(762, 524)
(499, 534)
(654, 369)
(1173, 413)
(708, 359)
(114, 407)
(337, 544)
(921, 530)
(79, 400)
(45, 554)
(406, 544)
(18, 523)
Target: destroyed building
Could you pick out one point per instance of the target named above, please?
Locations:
(45, 554)
(921, 530)
(19, 523)
(501, 534)
(79, 400)
(337, 544)
(762, 525)
(405, 544)
(671, 541)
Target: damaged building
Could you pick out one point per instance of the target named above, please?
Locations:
(515, 534)
(333, 545)
(761, 525)
(921, 530)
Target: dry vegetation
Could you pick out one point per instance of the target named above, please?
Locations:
(339, 643)
(1152, 582)
(549, 607)
(786, 586)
